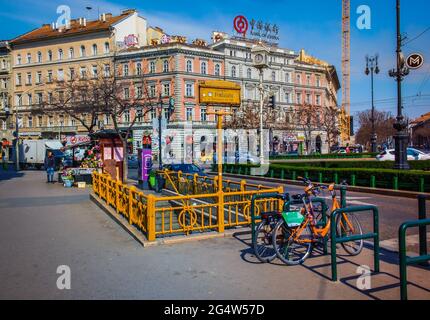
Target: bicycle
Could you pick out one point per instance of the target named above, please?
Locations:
(294, 244)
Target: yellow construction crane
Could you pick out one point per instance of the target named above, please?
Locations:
(345, 124)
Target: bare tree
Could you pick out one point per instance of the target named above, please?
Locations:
(307, 118)
(330, 124)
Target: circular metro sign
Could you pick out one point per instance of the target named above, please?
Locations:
(415, 61)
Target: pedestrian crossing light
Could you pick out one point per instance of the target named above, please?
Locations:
(272, 102)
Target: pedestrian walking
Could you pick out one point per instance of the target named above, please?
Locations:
(50, 167)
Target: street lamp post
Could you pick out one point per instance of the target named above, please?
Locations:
(372, 68)
(160, 118)
(401, 137)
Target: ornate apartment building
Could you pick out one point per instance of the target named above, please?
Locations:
(5, 90)
(53, 53)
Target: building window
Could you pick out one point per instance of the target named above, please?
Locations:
(50, 121)
(50, 97)
(49, 75)
(72, 73)
(83, 72)
(217, 69)
(95, 72)
(18, 100)
(287, 77)
(60, 54)
(308, 79)
(153, 113)
(125, 70)
(318, 81)
(30, 122)
(18, 59)
(299, 79)
(189, 91)
(30, 99)
(18, 79)
(60, 75)
(189, 66)
(139, 92)
(152, 91)
(152, 67)
(39, 56)
(39, 121)
(139, 115)
(287, 97)
(39, 97)
(203, 114)
(107, 48)
(166, 89)
(233, 71)
(203, 68)
(249, 73)
(28, 77)
(318, 100)
(107, 119)
(71, 53)
(273, 76)
(83, 53)
(127, 116)
(49, 55)
(94, 49)
(39, 77)
(189, 114)
(28, 57)
(138, 68)
(106, 70)
(166, 66)
(126, 93)
(299, 98)
(308, 98)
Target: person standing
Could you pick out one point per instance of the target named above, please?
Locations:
(50, 167)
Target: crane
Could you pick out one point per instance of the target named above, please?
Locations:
(346, 72)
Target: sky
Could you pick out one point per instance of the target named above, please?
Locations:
(313, 25)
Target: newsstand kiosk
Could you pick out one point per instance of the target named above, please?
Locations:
(112, 153)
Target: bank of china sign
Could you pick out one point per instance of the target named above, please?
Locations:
(257, 28)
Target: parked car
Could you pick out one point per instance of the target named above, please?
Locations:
(187, 168)
(413, 154)
(133, 161)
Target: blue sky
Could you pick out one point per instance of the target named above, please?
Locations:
(314, 25)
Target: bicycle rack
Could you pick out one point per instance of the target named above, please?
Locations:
(335, 240)
(404, 260)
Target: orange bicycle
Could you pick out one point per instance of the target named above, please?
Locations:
(293, 243)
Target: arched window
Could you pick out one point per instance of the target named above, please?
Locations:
(166, 66)
(233, 71)
(83, 53)
(60, 54)
(138, 68)
(273, 76)
(189, 66)
(71, 53)
(49, 55)
(107, 47)
(203, 68)
(39, 56)
(18, 59)
(249, 73)
(94, 49)
(217, 69)
(152, 67)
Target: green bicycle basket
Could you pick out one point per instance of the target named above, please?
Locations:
(293, 218)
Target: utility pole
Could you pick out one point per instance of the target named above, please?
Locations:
(17, 135)
(261, 88)
(160, 118)
(401, 137)
(371, 68)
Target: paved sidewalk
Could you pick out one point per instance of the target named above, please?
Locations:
(44, 226)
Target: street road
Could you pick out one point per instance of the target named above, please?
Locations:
(46, 226)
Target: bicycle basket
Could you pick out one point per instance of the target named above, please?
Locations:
(293, 218)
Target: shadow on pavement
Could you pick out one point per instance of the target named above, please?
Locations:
(10, 174)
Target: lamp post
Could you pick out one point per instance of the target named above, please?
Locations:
(160, 118)
(401, 137)
(372, 68)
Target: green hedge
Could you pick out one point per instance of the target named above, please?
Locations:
(326, 156)
(415, 165)
(414, 180)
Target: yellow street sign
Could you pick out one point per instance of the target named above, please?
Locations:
(218, 92)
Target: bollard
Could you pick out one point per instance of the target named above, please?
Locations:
(422, 189)
(372, 181)
(353, 180)
(336, 178)
(283, 174)
(294, 176)
(320, 177)
(343, 196)
(422, 215)
(396, 183)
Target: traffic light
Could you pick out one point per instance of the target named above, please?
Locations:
(171, 108)
(272, 102)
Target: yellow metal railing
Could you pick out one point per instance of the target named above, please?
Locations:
(197, 204)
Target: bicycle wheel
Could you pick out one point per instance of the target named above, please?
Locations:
(263, 247)
(347, 225)
(290, 251)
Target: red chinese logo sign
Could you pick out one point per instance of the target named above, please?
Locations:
(241, 25)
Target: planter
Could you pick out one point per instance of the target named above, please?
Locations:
(68, 183)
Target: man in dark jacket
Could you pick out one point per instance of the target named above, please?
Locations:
(50, 167)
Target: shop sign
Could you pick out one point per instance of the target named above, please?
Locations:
(257, 28)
